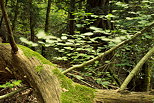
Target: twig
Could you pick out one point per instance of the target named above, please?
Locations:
(12, 93)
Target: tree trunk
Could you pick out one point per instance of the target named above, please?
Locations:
(47, 16)
(99, 7)
(71, 22)
(32, 24)
(46, 26)
(2, 15)
(147, 76)
(7, 22)
(15, 15)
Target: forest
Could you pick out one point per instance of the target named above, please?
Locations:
(76, 51)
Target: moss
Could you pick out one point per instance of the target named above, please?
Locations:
(30, 53)
(75, 93)
(39, 68)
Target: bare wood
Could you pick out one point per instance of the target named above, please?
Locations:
(111, 96)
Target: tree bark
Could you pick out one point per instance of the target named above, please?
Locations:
(15, 15)
(32, 24)
(99, 7)
(10, 33)
(71, 22)
(111, 96)
(47, 16)
(45, 84)
(2, 15)
(147, 70)
(46, 26)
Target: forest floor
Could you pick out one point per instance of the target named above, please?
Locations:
(102, 95)
(109, 96)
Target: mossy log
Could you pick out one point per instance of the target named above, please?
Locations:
(51, 86)
(112, 96)
(46, 84)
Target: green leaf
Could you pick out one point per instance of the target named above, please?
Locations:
(18, 82)
(107, 61)
(24, 40)
(79, 25)
(69, 48)
(109, 16)
(122, 4)
(64, 37)
(128, 18)
(41, 34)
(105, 83)
(88, 34)
(95, 16)
(78, 77)
(148, 36)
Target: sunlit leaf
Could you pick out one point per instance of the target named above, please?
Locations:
(17, 82)
(64, 37)
(69, 48)
(88, 34)
(41, 34)
(128, 18)
(24, 40)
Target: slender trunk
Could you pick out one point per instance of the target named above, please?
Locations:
(15, 15)
(2, 15)
(1, 22)
(31, 23)
(10, 33)
(47, 16)
(71, 22)
(147, 77)
(99, 7)
(46, 25)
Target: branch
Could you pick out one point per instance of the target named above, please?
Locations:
(12, 93)
(136, 69)
(10, 33)
(109, 51)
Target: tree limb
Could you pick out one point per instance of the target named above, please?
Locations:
(136, 69)
(109, 51)
(10, 33)
(12, 93)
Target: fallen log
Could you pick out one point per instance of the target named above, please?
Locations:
(112, 96)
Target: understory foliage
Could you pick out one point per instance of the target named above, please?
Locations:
(66, 50)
